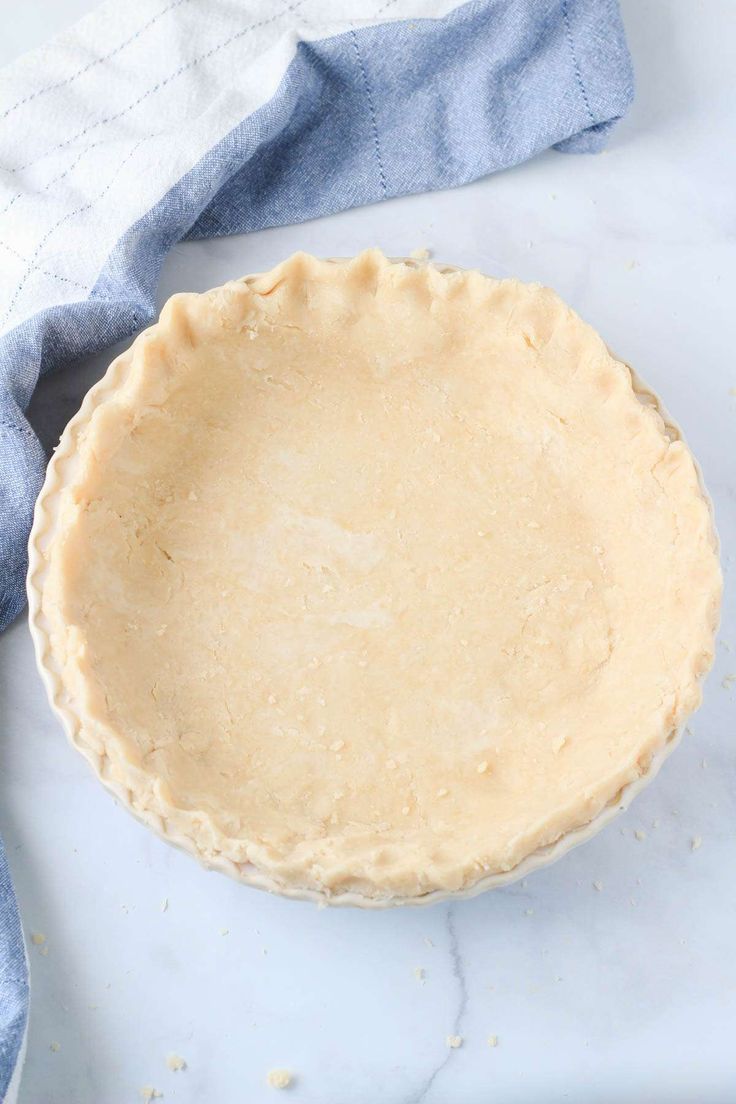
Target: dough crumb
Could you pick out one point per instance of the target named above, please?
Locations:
(421, 254)
(696, 842)
(598, 886)
(419, 973)
(632, 264)
(640, 834)
(728, 681)
(703, 764)
(493, 1040)
(337, 745)
(224, 931)
(164, 904)
(482, 767)
(442, 792)
(37, 938)
(528, 912)
(175, 1063)
(279, 1078)
(148, 1093)
(454, 1041)
(56, 1047)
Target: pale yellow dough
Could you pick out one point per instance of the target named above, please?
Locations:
(379, 578)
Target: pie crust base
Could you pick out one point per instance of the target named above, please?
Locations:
(377, 578)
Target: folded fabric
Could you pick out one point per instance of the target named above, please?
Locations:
(13, 987)
(148, 122)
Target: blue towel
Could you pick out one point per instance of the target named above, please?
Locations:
(144, 126)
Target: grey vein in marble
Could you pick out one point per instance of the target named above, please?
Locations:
(458, 973)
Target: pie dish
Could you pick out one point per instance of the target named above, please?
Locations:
(371, 581)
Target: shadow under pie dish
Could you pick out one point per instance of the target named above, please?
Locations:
(373, 582)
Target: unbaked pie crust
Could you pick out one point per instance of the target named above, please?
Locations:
(368, 579)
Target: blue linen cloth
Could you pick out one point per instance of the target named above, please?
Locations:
(396, 107)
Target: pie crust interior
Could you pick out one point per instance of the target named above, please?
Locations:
(378, 577)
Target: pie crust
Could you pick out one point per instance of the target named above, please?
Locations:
(368, 580)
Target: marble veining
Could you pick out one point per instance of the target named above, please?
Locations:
(461, 1007)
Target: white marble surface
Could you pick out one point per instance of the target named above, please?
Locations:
(626, 995)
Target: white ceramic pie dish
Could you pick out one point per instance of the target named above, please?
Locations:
(60, 473)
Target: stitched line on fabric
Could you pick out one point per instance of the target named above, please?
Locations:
(92, 64)
(60, 176)
(372, 109)
(575, 64)
(161, 84)
(69, 215)
(54, 180)
(385, 7)
(44, 271)
(23, 430)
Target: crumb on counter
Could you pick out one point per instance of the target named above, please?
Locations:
(279, 1078)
